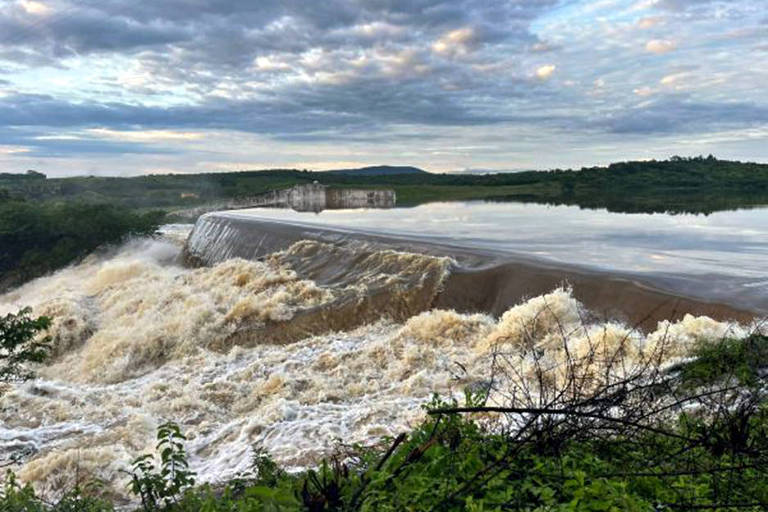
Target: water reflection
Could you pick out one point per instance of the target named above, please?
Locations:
(672, 202)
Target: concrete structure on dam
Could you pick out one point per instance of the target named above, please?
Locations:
(315, 197)
(310, 197)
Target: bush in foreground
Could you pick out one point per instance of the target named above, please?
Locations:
(20, 344)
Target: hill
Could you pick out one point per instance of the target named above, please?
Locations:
(379, 170)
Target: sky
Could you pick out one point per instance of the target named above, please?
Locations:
(127, 87)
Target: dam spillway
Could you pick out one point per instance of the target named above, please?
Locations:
(478, 280)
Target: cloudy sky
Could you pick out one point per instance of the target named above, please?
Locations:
(129, 87)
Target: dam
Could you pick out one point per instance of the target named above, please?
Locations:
(316, 197)
(483, 276)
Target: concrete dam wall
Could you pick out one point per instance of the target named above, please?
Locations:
(315, 197)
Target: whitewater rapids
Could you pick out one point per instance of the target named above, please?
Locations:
(246, 353)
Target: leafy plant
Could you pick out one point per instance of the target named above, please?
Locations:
(19, 344)
(15, 497)
(163, 485)
(267, 471)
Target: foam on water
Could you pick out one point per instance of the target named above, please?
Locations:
(140, 340)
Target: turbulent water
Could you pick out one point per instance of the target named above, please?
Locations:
(254, 352)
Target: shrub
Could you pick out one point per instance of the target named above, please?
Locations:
(164, 485)
(19, 344)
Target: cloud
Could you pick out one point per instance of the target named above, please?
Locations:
(542, 47)
(455, 42)
(683, 5)
(35, 8)
(675, 81)
(659, 46)
(33, 143)
(56, 37)
(673, 115)
(544, 72)
(363, 104)
(641, 5)
(12, 150)
(643, 91)
(109, 76)
(672, 79)
(144, 135)
(649, 21)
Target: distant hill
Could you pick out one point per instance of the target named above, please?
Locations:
(379, 170)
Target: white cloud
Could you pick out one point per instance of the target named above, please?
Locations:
(455, 42)
(649, 21)
(11, 150)
(544, 72)
(144, 135)
(542, 47)
(34, 8)
(675, 80)
(643, 5)
(377, 29)
(58, 137)
(643, 91)
(347, 73)
(660, 46)
(270, 63)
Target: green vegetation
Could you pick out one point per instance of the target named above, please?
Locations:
(678, 185)
(161, 487)
(19, 344)
(39, 237)
(652, 438)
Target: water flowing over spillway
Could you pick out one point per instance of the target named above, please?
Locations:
(478, 279)
(301, 342)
